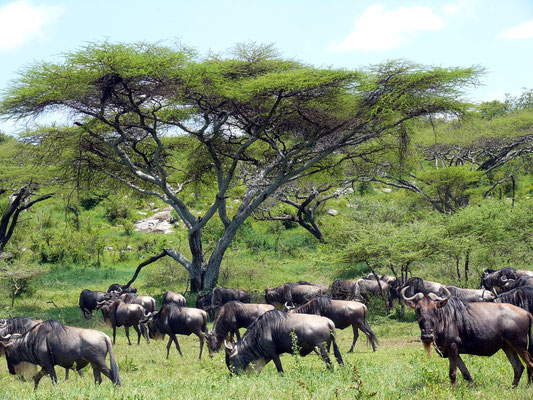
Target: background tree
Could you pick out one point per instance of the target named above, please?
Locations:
(261, 121)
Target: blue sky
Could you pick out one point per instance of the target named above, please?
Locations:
(495, 34)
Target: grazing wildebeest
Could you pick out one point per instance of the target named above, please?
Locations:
(232, 316)
(148, 302)
(219, 296)
(116, 287)
(457, 327)
(495, 280)
(173, 297)
(510, 284)
(274, 333)
(364, 287)
(343, 313)
(279, 295)
(471, 295)
(521, 297)
(51, 343)
(341, 289)
(88, 301)
(117, 313)
(172, 320)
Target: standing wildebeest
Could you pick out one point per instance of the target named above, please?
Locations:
(343, 314)
(274, 333)
(471, 295)
(117, 313)
(364, 287)
(219, 296)
(458, 327)
(173, 297)
(21, 325)
(294, 293)
(174, 320)
(496, 280)
(232, 316)
(521, 297)
(391, 280)
(148, 302)
(51, 343)
(88, 301)
(116, 287)
(341, 289)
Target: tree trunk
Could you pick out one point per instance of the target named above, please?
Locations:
(467, 262)
(198, 265)
(457, 266)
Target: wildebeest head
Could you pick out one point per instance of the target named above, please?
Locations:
(235, 362)
(426, 313)
(154, 323)
(15, 366)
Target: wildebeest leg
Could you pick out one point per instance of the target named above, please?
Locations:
(37, 378)
(114, 333)
(79, 366)
(518, 368)
(96, 374)
(138, 334)
(127, 329)
(355, 337)
(464, 371)
(173, 338)
(238, 334)
(324, 355)
(453, 356)
(277, 362)
(524, 355)
(201, 337)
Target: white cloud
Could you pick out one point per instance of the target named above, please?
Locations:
(381, 29)
(22, 21)
(461, 7)
(522, 31)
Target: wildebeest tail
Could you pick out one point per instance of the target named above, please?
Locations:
(530, 346)
(371, 335)
(336, 350)
(114, 367)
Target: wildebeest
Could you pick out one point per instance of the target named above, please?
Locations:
(276, 332)
(457, 327)
(418, 285)
(88, 301)
(341, 289)
(391, 280)
(21, 325)
(117, 313)
(294, 293)
(173, 320)
(495, 280)
(510, 284)
(148, 302)
(471, 295)
(365, 287)
(51, 343)
(173, 297)
(521, 297)
(116, 287)
(232, 316)
(219, 296)
(343, 313)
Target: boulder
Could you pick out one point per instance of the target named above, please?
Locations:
(332, 212)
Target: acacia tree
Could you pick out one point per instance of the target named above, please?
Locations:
(261, 122)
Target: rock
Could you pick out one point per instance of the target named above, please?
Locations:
(387, 190)
(161, 222)
(109, 248)
(151, 205)
(128, 247)
(141, 213)
(332, 212)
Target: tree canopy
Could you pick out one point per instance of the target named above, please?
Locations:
(255, 121)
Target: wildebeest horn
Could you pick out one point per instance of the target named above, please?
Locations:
(503, 279)
(228, 347)
(414, 298)
(10, 316)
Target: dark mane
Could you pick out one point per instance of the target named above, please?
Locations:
(521, 297)
(456, 313)
(316, 306)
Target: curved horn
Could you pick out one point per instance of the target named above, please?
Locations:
(434, 297)
(228, 347)
(504, 279)
(417, 297)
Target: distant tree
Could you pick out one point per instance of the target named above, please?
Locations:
(262, 122)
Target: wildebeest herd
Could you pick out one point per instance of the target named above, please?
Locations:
(298, 316)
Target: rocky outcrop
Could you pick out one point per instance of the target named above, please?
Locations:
(161, 222)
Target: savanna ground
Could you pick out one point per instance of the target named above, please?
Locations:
(399, 369)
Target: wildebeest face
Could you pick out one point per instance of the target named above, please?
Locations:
(211, 341)
(234, 360)
(153, 330)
